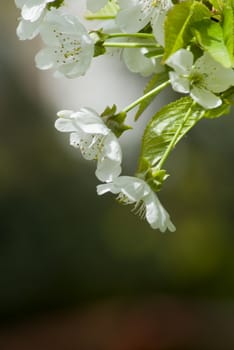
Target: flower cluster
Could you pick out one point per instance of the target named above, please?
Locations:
(97, 142)
(185, 44)
(69, 47)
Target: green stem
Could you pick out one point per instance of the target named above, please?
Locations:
(98, 17)
(175, 137)
(128, 44)
(131, 35)
(147, 95)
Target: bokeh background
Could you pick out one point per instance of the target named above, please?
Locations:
(80, 271)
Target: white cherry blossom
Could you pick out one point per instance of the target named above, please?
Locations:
(32, 15)
(70, 48)
(136, 14)
(202, 79)
(132, 190)
(94, 139)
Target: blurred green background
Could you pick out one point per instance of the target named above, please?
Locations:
(62, 247)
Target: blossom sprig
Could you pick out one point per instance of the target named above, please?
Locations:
(188, 45)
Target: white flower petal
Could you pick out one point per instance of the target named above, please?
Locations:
(158, 20)
(181, 61)
(72, 70)
(109, 160)
(132, 187)
(65, 113)
(112, 149)
(137, 62)
(131, 18)
(66, 125)
(216, 77)
(45, 59)
(27, 30)
(157, 23)
(205, 98)
(156, 215)
(107, 169)
(90, 122)
(32, 14)
(75, 138)
(33, 9)
(109, 187)
(179, 83)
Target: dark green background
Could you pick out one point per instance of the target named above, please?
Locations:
(62, 246)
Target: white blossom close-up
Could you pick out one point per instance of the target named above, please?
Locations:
(32, 15)
(185, 44)
(136, 14)
(132, 190)
(69, 47)
(202, 79)
(94, 139)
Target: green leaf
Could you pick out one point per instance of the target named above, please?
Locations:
(99, 49)
(210, 36)
(178, 23)
(228, 29)
(163, 127)
(107, 12)
(156, 80)
(167, 127)
(217, 4)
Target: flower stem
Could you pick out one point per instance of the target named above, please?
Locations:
(152, 92)
(175, 137)
(131, 35)
(128, 44)
(98, 17)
